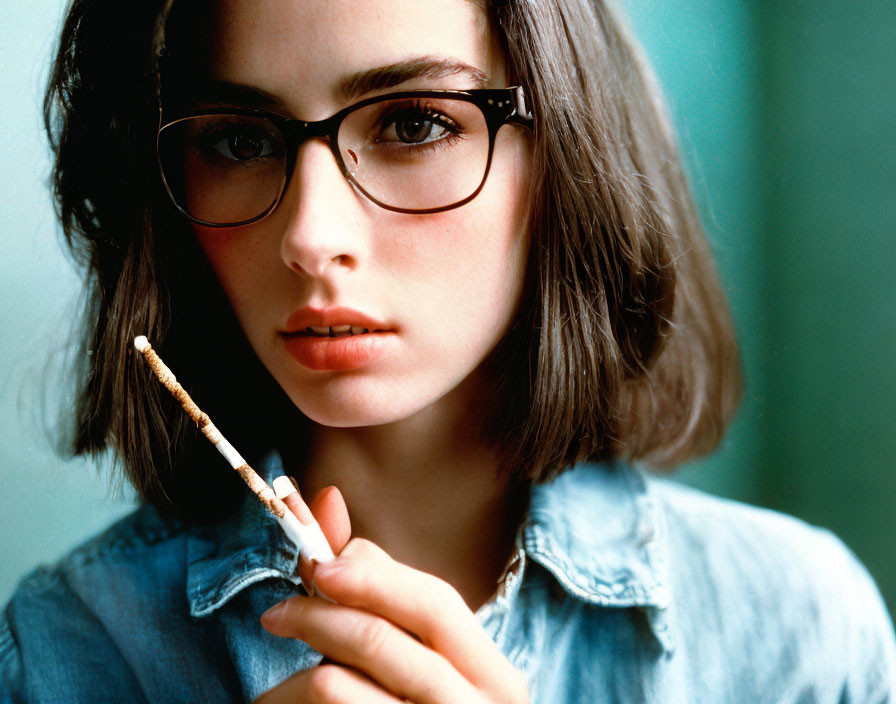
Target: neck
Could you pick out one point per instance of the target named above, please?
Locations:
(426, 491)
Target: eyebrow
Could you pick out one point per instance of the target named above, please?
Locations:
(349, 88)
(225, 93)
(434, 67)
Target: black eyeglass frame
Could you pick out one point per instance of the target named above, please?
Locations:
(499, 106)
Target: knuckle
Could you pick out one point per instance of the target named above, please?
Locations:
(361, 549)
(444, 599)
(373, 639)
(364, 570)
(325, 683)
(426, 682)
(445, 594)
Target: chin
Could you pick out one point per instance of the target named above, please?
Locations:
(356, 409)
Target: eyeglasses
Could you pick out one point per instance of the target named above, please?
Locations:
(409, 152)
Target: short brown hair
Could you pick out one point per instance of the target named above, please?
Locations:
(623, 345)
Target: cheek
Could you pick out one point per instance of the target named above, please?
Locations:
(494, 225)
(493, 246)
(467, 266)
(239, 262)
(223, 250)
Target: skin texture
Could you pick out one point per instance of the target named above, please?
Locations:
(396, 435)
(447, 282)
(410, 637)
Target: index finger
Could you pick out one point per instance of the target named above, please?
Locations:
(365, 577)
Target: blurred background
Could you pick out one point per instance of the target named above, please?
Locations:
(787, 120)
(786, 113)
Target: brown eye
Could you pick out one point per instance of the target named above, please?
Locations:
(414, 126)
(245, 146)
(242, 145)
(413, 130)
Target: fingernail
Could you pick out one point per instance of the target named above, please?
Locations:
(294, 482)
(283, 487)
(286, 490)
(307, 568)
(323, 566)
(311, 568)
(307, 564)
(275, 614)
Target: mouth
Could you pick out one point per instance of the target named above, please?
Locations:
(334, 331)
(337, 348)
(332, 322)
(336, 339)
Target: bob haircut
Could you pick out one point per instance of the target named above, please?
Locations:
(622, 347)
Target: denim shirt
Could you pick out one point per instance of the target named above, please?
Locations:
(623, 588)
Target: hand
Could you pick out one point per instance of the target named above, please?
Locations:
(392, 633)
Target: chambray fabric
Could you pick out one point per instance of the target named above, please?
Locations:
(624, 588)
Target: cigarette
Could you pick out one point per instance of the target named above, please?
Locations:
(309, 538)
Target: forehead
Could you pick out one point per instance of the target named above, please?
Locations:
(300, 49)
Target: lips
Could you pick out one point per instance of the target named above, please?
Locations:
(334, 339)
(334, 331)
(305, 319)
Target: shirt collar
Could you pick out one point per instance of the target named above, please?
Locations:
(246, 547)
(595, 528)
(599, 531)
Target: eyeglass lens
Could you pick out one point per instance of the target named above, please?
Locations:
(407, 153)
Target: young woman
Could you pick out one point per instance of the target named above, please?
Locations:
(437, 262)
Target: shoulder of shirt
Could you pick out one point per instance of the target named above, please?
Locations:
(749, 540)
(758, 571)
(52, 588)
(132, 535)
(683, 529)
(741, 531)
(67, 599)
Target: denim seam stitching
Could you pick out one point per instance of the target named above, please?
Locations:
(204, 606)
(119, 546)
(590, 588)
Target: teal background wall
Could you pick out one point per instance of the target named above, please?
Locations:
(830, 121)
(47, 504)
(787, 117)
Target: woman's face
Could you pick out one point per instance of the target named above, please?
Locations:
(442, 287)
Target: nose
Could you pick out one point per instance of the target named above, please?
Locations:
(321, 215)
